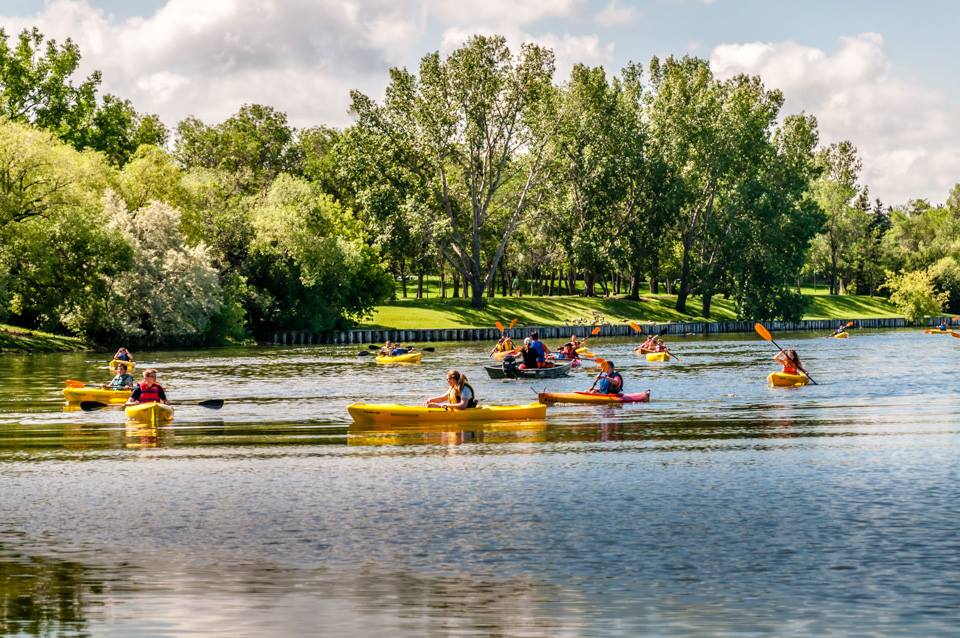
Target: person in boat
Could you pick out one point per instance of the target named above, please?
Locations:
(841, 328)
(148, 390)
(650, 344)
(460, 396)
(790, 361)
(122, 381)
(659, 346)
(568, 352)
(541, 349)
(576, 343)
(123, 355)
(528, 356)
(943, 327)
(608, 381)
(391, 349)
(505, 344)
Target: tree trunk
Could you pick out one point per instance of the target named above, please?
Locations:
(588, 290)
(504, 275)
(420, 285)
(684, 278)
(707, 299)
(456, 284)
(634, 287)
(476, 290)
(553, 275)
(443, 282)
(403, 277)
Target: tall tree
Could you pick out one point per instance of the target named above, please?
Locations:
(467, 127)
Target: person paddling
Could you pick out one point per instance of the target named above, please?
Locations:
(576, 343)
(123, 355)
(460, 396)
(122, 381)
(148, 390)
(391, 349)
(649, 345)
(608, 381)
(841, 328)
(505, 344)
(790, 361)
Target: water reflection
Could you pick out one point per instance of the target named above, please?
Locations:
(448, 433)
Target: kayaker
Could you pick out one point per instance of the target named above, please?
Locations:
(649, 345)
(460, 396)
(943, 325)
(505, 344)
(148, 390)
(529, 356)
(841, 328)
(122, 381)
(790, 361)
(576, 343)
(609, 380)
(659, 346)
(568, 351)
(540, 347)
(391, 349)
(123, 355)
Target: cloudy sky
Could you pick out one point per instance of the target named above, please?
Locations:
(882, 74)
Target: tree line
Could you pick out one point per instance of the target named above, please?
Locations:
(477, 167)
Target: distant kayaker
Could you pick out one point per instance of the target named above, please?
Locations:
(540, 347)
(659, 346)
(505, 344)
(391, 349)
(943, 327)
(608, 381)
(790, 361)
(841, 328)
(649, 345)
(122, 381)
(460, 396)
(568, 351)
(123, 355)
(148, 390)
(576, 343)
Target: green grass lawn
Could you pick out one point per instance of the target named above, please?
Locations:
(14, 339)
(545, 311)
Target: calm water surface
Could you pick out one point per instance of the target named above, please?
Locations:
(723, 507)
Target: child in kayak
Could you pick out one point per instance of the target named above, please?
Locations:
(123, 355)
(148, 390)
(610, 381)
(122, 381)
(790, 361)
(391, 349)
(460, 396)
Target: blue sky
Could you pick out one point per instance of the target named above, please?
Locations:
(882, 74)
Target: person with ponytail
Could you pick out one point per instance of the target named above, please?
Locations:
(460, 396)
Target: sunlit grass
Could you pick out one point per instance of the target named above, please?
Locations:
(14, 339)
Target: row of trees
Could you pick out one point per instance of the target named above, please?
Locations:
(477, 165)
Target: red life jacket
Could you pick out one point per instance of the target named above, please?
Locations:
(149, 393)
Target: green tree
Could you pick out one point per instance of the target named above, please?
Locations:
(117, 130)
(466, 128)
(913, 294)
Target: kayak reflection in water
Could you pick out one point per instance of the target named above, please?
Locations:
(148, 390)
(610, 381)
(460, 396)
(790, 361)
(122, 381)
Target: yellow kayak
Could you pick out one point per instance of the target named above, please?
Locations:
(784, 380)
(76, 395)
(410, 357)
(936, 331)
(366, 413)
(130, 364)
(658, 356)
(153, 412)
(842, 335)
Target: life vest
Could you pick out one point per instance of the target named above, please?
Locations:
(150, 393)
(454, 395)
(616, 375)
(504, 346)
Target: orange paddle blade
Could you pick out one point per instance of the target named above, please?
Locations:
(849, 323)
(955, 334)
(73, 383)
(595, 331)
(763, 332)
(636, 326)
(513, 322)
(600, 361)
(499, 326)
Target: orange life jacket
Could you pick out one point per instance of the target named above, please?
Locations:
(149, 393)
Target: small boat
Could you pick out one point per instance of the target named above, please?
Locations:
(591, 397)
(153, 412)
(366, 413)
(131, 365)
(841, 335)
(76, 395)
(784, 380)
(507, 371)
(658, 356)
(410, 357)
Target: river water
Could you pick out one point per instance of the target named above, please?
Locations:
(723, 507)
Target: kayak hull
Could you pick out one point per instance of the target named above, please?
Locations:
(371, 413)
(936, 331)
(589, 397)
(76, 395)
(410, 357)
(657, 356)
(784, 380)
(131, 365)
(842, 335)
(553, 372)
(642, 350)
(153, 412)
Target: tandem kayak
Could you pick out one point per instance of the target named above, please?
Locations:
(366, 413)
(410, 357)
(153, 412)
(516, 372)
(841, 335)
(130, 364)
(658, 356)
(590, 397)
(784, 380)
(76, 395)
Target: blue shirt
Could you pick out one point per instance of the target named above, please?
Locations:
(538, 346)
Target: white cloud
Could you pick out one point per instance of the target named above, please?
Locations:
(613, 15)
(908, 134)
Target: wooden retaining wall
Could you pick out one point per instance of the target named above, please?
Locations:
(561, 332)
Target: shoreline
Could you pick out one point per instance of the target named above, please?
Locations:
(16, 340)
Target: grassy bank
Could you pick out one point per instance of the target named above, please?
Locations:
(546, 311)
(14, 339)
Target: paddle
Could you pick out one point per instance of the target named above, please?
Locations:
(73, 383)
(600, 362)
(499, 327)
(213, 404)
(595, 331)
(513, 322)
(636, 326)
(765, 334)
